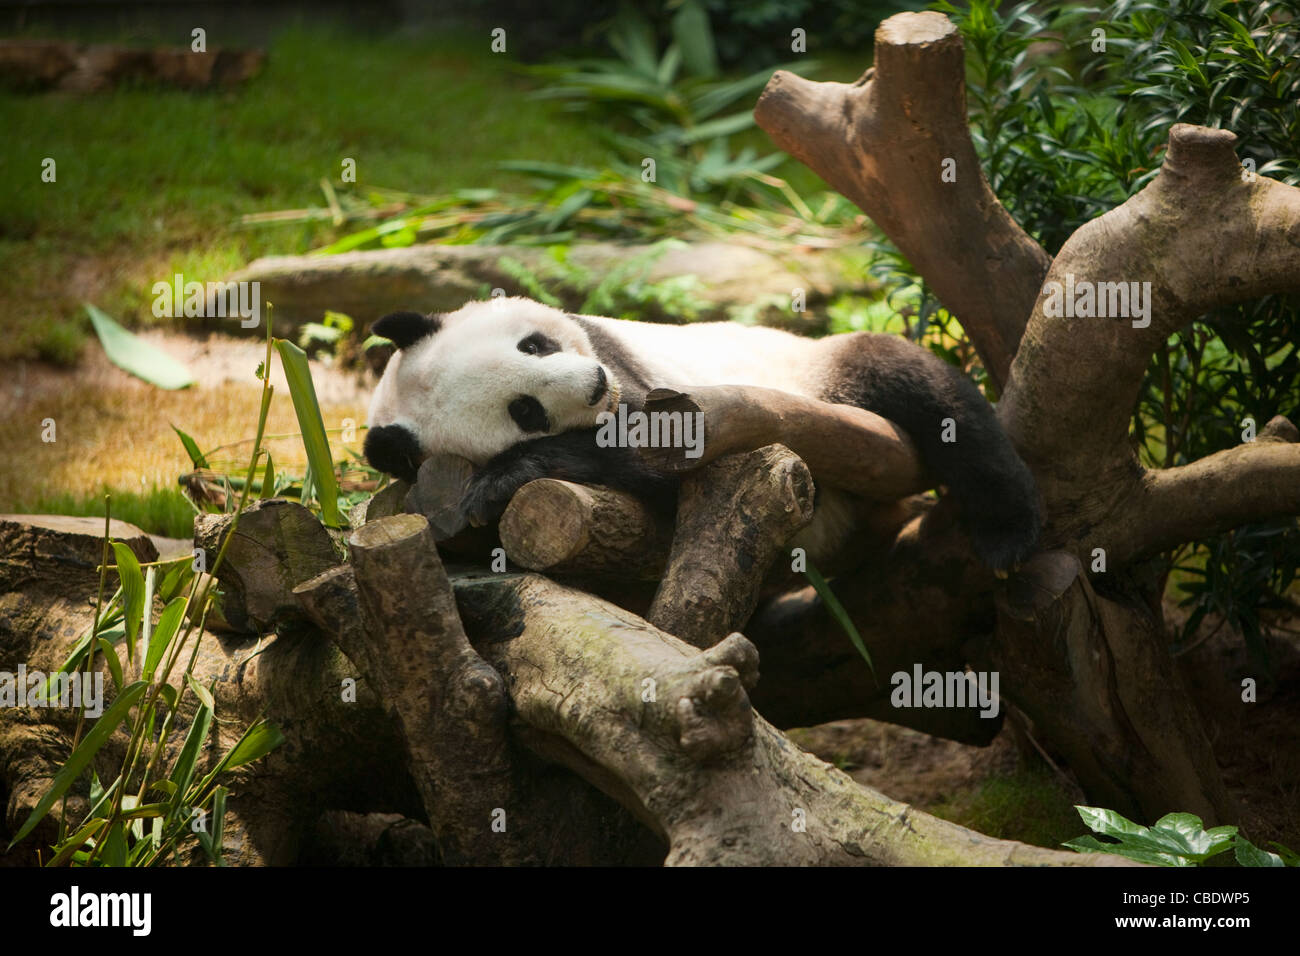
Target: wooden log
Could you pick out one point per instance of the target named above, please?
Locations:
(397, 621)
(278, 545)
(86, 68)
(564, 528)
(733, 517)
(668, 731)
(450, 705)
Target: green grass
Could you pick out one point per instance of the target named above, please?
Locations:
(152, 181)
(161, 511)
(1029, 806)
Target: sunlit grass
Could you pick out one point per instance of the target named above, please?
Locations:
(153, 181)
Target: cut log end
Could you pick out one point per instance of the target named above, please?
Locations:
(547, 523)
(1198, 152)
(915, 28)
(389, 532)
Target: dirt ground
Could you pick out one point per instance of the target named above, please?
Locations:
(113, 430)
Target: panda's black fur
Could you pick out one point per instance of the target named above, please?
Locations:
(881, 373)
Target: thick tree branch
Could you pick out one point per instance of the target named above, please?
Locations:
(1199, 236)
(1252, 482)
(885, 142)
(450, 705)
(564, 528)
(669, 732)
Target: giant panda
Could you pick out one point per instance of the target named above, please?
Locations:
(516, 387)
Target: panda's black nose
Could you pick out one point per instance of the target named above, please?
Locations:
(602, 386)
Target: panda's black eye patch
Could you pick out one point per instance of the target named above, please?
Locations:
(529, 414)
(538, 344)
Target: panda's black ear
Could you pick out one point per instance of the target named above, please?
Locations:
(404, 329)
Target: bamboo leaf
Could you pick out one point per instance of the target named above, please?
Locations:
(191, 449)
(128, 569)
(837, 611)
(168, 622)
(114, 665)
(183, 772)
(303, 392)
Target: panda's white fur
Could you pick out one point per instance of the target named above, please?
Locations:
(453, 385)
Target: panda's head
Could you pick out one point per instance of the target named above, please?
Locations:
(479, 380)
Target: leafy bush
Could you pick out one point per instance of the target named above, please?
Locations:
(1176, 839)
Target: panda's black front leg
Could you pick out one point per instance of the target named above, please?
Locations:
(571, 456)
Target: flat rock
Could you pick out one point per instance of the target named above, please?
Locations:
(34, 549)
(440, 278)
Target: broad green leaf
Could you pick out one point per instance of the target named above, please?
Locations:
(99, 732)
(1248, 854)
(74, 843)
(213, 847)
(110, 629)
(722, 126)
(303, 392)
(268, 478)
(693, 35)
(114, 852)
(1202, 842)
(177, 579)
(145, 810)
(201, 692)
(260, 740)
(1087, 844)
(1108, 822)
(183, 772)
(114, 665)
(136, 356)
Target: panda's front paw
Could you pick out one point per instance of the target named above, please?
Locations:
(487, 496)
